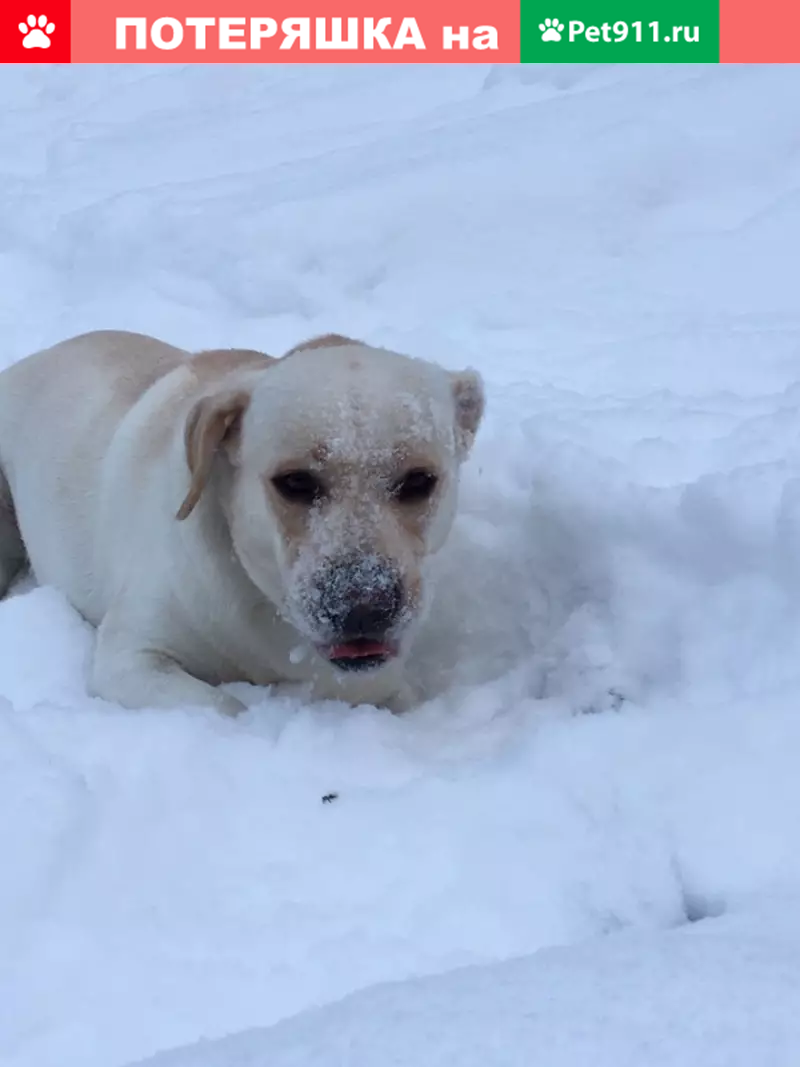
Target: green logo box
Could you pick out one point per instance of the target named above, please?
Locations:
(619, 31)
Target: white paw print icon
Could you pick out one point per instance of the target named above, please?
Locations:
(551, 29)
(36, 32)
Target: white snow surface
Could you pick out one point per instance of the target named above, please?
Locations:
(720, 995)
(617, 249)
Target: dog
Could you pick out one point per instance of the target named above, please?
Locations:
(227, 516)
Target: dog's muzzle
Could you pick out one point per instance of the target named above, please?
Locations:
(359, 602)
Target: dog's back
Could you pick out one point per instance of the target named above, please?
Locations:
(76, 393)
(59, 409)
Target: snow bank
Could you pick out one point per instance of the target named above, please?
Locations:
(720, 995)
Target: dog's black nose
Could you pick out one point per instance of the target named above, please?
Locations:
(360, 597)
(373, 617)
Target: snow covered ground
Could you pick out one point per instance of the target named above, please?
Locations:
(617, 249)
(717, 995)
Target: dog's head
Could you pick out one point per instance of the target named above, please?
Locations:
(343, 478)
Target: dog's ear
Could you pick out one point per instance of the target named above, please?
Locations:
(470, 402)
(213, 423)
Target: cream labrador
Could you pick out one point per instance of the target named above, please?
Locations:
(226, 516)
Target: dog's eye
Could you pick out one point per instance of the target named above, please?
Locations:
(415, 486)
(299, 487)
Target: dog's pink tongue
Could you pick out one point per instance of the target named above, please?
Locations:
(357, 650)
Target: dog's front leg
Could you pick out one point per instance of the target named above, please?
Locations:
(137, 677)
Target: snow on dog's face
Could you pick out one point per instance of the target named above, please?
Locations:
(345, 482)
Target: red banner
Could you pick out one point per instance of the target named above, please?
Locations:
(252, 31)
